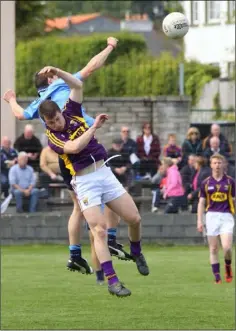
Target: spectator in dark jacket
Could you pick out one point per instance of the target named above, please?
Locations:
(129, 145)
(192, 144)
(229, 169)
(30, 144)
(202, 172)
(120, 165)
(187, 174)
(148, 151)
(224, 144)
(214, 149)
(8, 159)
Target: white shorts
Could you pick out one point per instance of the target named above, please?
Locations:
(96, 188)
(219, 223)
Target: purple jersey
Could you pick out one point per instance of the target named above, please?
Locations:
(75, 126)
(219, 195)
(172, 151)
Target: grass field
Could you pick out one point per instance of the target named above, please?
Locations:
(39, 293)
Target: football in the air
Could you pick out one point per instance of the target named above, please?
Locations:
(175, 25)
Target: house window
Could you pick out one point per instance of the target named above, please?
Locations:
(195, 12)
(214, 11)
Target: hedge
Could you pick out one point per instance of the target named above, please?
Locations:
(68, 53)
(130, 70)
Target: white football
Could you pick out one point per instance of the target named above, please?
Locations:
(175, 25)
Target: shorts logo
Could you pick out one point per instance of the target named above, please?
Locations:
(219, 197)
(85, 201)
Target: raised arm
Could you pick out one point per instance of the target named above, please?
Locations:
(98, 60)
(74, 83)
(77, 145)
(10, 98)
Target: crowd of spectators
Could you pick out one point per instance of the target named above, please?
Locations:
(175, 172)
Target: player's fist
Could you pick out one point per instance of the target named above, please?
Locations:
(10, 94)
(49, 69)
(100, 120)
(199, 226)
(112, 41)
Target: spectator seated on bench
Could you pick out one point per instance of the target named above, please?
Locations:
(50, 176)
(22, 181)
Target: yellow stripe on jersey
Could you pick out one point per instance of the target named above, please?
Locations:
(231, 201)
(82, 120)
(73, 135)
(55, 140)
(68, 164)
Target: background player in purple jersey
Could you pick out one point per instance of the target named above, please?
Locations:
(70, 137)
(218, 193)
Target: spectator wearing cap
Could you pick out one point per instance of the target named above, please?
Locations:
(30, 144)
(8, 159)
(192, 144)
(120, 165)
(214, 148)
(22, 181)
(148, 151)
(225, 147)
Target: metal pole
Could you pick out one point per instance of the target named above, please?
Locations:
(181, 79)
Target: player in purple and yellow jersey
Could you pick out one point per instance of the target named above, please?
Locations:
(50, 86)
(218, 194)
(94, 183)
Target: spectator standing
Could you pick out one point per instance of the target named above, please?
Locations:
(148, 151)
(225, 147)
(30, 144)
(214, 149)
(159, 180)
(49, 165)
(229, 169)
(22, 181)
(192, 144)
(187, 173)
(8, 159)
(174, 190)
(202, 172)
(120, 165)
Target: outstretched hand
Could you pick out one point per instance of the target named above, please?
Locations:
(100, 120)
(10, 94)
(112, 41)
(49, 69)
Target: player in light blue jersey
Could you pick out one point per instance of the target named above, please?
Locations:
(51, 87)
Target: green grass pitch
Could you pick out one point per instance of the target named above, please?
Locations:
(39, 293)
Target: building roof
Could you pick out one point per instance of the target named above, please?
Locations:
(62, 23)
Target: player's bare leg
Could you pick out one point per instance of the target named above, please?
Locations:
(116, 249)
(227, 242)
(97, 224)
(214, 257)
(95, 262)
(125, 207)
(76, 262)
